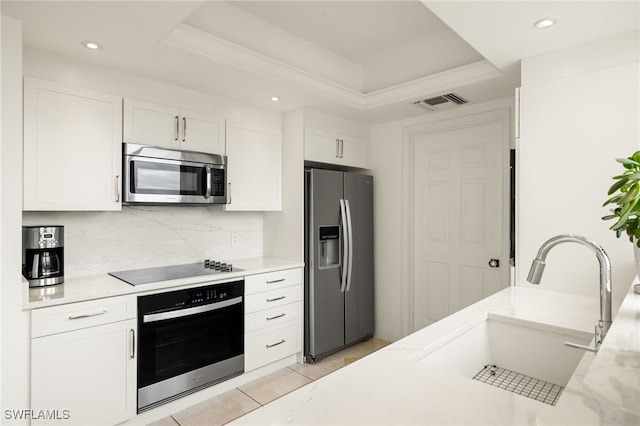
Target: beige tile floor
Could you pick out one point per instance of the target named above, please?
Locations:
(230, 405)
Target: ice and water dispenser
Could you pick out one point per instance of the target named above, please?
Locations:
(328, 247)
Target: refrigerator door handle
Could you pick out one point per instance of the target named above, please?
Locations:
(345, 245)
(350, 234)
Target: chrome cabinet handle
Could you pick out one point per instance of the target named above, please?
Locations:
(276, 317)
(337, 148)
(93, 314)
(276, 298)
(229, 193)
(117, 188)
(276, 344)
(276, 281)
(177, 128)
(184, 129)
(132, 353)
(341, 148)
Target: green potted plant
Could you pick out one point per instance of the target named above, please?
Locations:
(625, 198)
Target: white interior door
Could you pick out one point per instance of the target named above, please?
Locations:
(458, 219)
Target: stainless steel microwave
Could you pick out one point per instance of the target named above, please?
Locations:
(154, 175)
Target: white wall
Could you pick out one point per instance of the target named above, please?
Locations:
(283, 231)
(14, 367)
(391, 268)
(579, 110)
(148, 236)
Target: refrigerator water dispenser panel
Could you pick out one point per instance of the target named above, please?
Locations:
(328, 247)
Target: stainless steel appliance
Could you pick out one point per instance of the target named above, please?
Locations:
(154, 175)
(338, 261)
(173, 272)
(189, 339)
(43, 255)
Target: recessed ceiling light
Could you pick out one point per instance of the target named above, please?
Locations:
(544, 23)
(91, 45)
(275, 98)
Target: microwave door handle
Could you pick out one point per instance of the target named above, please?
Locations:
(208, 178)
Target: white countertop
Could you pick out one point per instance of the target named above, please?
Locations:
(391, 386)
(78, 289)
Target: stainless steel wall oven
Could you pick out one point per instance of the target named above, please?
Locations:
(189, 339)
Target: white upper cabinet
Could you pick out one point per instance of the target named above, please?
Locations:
(334, 140)
(254, 169)
(172, 127)
(72, 147)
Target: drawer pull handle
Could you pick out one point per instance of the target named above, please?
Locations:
(93, 314)
(276, 317)
(276, 344)
(276, 281)
(276, 298)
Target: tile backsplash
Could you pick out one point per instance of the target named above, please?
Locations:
(140, 237)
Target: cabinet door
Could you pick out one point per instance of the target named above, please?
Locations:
(87, 375)
(151, 124)
(202, 132)
(254, 169)
(332, 148)
(321, 146)
(72, 147)
(354, 152)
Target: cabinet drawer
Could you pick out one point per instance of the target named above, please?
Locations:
(273, 316)
(271, 344)
(272, 299)
(271, 280)
(74, 316)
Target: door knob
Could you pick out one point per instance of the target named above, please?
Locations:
(494, 263)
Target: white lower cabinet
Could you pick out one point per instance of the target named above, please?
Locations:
(83, 370)
(273, 317)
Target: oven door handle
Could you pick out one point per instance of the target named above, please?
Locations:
(147, 318)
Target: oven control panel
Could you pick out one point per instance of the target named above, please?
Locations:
(185, 298)
(213, 294)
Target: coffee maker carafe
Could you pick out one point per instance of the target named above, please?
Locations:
(43, 255)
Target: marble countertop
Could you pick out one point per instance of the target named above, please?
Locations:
(78, 289)
(391, 386)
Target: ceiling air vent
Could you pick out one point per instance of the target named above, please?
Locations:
(443, 102)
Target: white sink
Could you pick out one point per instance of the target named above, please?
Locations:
(529, 348)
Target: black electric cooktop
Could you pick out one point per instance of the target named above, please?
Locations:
(173, 272)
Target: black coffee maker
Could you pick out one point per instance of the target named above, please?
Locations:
(43, 255)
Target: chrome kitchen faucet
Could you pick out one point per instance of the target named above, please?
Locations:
(537, 267)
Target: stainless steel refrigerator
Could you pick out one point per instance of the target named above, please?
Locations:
(338, 261)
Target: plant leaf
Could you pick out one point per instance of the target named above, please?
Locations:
(619, 184)
(630, 195)
(628, 161)
(624, 215)
(613, 199)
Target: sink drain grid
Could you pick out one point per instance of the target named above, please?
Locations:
(520, 384)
